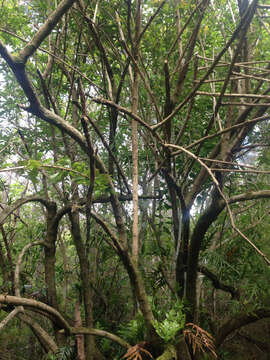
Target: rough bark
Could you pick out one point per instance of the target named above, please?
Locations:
(238, 321)
(79, 337)
(91, 350)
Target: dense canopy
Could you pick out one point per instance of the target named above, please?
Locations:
(134, 179)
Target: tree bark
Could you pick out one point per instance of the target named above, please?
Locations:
(238, 321)
(91, 351)
(79, 337)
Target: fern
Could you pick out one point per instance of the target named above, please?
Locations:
(134, 331)
(64, 353)
(174, 321)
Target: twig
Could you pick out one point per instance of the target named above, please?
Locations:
(212, 67)
(246, 123)
(245, 104)
(56, 58)
(44, 30)
(242, 171)
(252, 96)
(152, 17)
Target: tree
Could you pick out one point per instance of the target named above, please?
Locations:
(187, 84)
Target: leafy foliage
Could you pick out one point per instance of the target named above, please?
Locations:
(64, 353)
(134, 331)
(174, 321)
(68, 169)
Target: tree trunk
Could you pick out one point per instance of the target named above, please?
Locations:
(49, 265)
(79, 337)
(91, 351)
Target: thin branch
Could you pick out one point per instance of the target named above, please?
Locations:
(252, 96)
(102, 138)
(99, 44)
(36, 305)
(152, 17)
(246, 123)
(264, 6)
(45, 30)
(106, 227)
(245, 104)
(146, 85)
(234, 227)
(219, 80)
(10, 316)
(242, 75)
(243, 21)
(190, 107)
(122, 110)
(110, 152)
(183, 29)
(57, 58)
(18, 264)
(218, 284)
(228, 163)
(242, 171)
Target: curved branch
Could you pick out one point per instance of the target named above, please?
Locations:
(134, 276)
(218, 284)
(115, 243)
(238, 321)
(123, 110)
(43, 337)
(34, 304)
(10, 209)
(18, 264)
(36, 107)
(102, 333)
(58, 318)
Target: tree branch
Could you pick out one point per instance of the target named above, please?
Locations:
(43, 337)
(45, 30)
(37, 305)
(10, 316)
(243, 21)
(10, 209)
(102, 333)
(218, 284)
(238, 321)
(18, 264)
